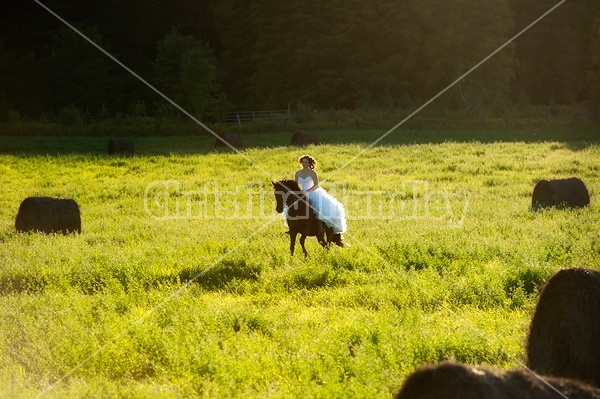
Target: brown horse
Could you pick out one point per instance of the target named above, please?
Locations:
(300, 217)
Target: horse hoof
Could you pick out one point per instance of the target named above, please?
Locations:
(341, 243)
(338, 239)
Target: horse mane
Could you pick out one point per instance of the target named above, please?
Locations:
(291, 185)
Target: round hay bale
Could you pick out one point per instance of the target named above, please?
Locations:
(120, 146)
(564, 335)
(449, 380)
(234, 140)
(564, 192)
(300, 139)
(48, 215)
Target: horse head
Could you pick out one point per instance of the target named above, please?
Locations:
(278, 196)
(286, 192)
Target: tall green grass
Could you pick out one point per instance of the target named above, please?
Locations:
(445, 261)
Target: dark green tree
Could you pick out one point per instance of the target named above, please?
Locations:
(593, 74)
(332, 52)
(447, 39)
(327, 54)
(237, 31)
(132, 29)
(185, 71)
(5, 70)
(554, 54)
(73, 72)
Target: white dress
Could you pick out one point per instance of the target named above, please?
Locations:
(327, 208)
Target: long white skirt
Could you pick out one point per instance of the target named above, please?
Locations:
(327, 209)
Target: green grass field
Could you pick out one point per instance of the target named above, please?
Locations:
(181, 283)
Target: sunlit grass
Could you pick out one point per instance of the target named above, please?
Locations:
(445, 262)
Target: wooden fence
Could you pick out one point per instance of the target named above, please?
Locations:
(278, 115)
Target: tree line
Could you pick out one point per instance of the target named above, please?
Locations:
(213, 56)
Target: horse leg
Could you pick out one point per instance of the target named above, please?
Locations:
(292, 242)
(329, 233)
(321, 238)
(302, 239)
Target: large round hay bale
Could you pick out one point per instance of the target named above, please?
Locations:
(566, 192)
(449, 380)
(120, 146)
(48, 215)
(300, 139)
(234, 141)
(564, 336)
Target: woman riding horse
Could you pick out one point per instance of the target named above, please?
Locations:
(299, 215)
(326, 207)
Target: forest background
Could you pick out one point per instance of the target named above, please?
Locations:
(212, 57)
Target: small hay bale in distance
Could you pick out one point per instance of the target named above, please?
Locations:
(120, 146)
(235, 140)
(48, 215)
(562, 192)
(300, 139)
